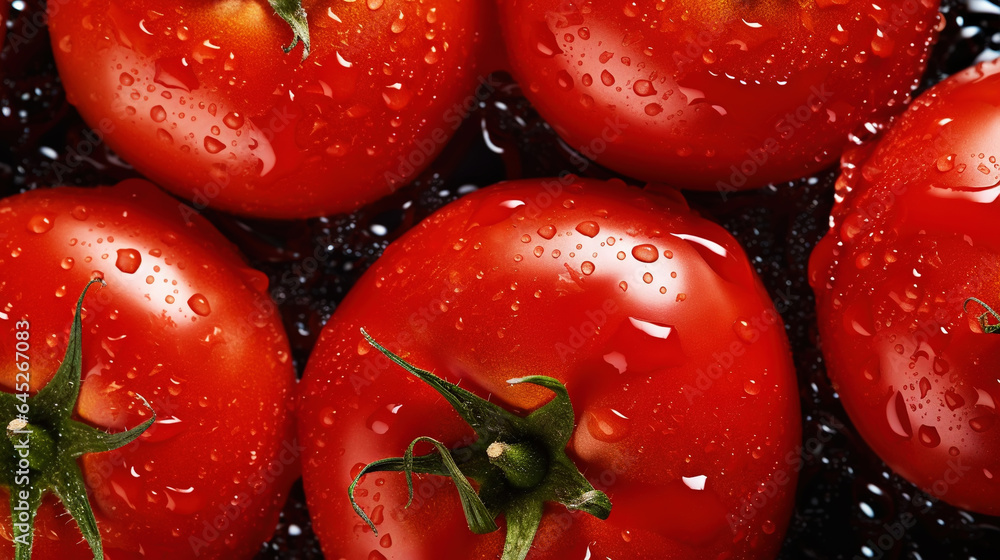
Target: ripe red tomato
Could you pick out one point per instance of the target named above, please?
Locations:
(200, 98)
(184, 323)
(674, 358)
(716, 95)
(912, 238)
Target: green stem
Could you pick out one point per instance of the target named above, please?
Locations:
(522, 463)
(39, 454)
(295, 16)
(987, 327)
(519, 463)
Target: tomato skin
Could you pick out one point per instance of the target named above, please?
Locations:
(911, 239)
(215, 368)
(716, 95)
(202, 100)
(515, 280)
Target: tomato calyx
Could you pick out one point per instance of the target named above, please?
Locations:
(519, 463)
(295, 16)
(39, 453)
(988, 328)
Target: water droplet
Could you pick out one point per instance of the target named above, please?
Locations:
(213, 145)
(173, 73)
(587, 267)
(607, 78)
(383, 418)
(744, 331)
(396, 97)
(40, 223)
(941, 366)
(645, 253)
(199, 304)
(126, 79)
(545, 41)
(623, 285)
(953, 399)
(751, 387)
(67, 263)
(398, 24)
(925, 387)
(643, 88)
(896, 414)
(928, 436)
(169, 299)
(946, 163)
(233, 120)
(547, 232)
(80, 213)
(607, 424)
(564, 80)
(647, 278)
(983, 423)
(385, 541)
(164, 136)
(590, 229)
(128, 260)
(654, 109)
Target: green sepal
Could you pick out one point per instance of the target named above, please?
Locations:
(523, 518)
(546, 430)
(53, 442)
(295, 16)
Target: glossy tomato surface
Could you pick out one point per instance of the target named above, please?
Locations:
(671, 350)
(912, 239)
(200, 98)
(183, 322)
(717, 95)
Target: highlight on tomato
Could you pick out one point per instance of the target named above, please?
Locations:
(567, 368)
(717, 95)
(906, 295)
(202, 99)
(158, 414)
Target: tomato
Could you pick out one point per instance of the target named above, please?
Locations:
(911, 241)
(675, 360)
(717, 95)
(182, 323)
(200, 98)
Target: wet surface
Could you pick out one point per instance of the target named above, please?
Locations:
(849, 503)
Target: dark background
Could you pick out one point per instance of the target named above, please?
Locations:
(778, 226)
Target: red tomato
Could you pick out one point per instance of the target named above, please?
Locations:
(716, 95)
(673, 355)
(184, 323)
(200, 98)
(913, 238)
